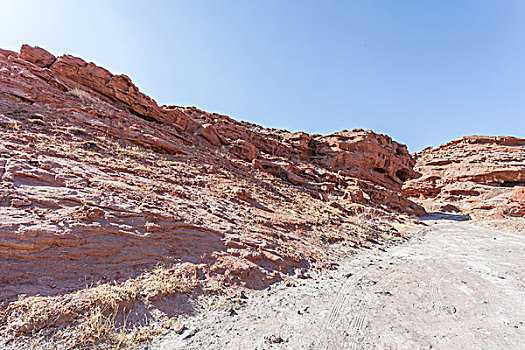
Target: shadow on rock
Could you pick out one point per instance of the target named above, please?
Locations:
(432, 216)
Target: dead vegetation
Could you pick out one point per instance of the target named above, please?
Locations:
(84, 96)
(96, 316)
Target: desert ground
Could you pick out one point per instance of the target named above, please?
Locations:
(452, 285)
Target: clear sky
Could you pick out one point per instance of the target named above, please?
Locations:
(423, 72)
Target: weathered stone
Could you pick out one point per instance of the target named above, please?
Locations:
(481, 175)
(244, 150)
(37, 56)
(209, 133)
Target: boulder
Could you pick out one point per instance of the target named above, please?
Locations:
(209, 133)
(244, 150)
(77, 73)
(37, 56)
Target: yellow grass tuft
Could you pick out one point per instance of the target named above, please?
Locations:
(84, 96)
(91, 316)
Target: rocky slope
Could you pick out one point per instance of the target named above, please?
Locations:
(479, 175)
(99, 184)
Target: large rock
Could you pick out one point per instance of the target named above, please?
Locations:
(77, 73)
(482, 175)
(37, 56)
(366, 155)
(516, 205)
(8, 53)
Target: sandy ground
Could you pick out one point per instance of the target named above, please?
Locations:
(451, 286)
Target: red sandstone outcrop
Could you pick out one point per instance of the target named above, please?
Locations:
(480, 175)
(37, 55)
(359, 161)
(98, 183)
(516, 203)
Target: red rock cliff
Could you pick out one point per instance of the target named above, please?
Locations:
(483, 175)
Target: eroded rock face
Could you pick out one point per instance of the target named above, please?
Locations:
(481, 175)
(324, 165)
(97, 183)
(75, 72)
(37, 55)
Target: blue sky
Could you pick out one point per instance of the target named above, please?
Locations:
(423, 72)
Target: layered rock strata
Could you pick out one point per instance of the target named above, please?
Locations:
(478, 175)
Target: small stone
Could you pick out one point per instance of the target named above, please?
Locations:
(179, 328)
(191, 333)
(5, 121)
(274, 338)
(20, 202)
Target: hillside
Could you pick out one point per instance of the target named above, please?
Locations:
(119, 217)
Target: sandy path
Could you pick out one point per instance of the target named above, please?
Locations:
(454, 286)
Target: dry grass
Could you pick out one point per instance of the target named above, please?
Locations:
(93, 316)
(216, 287)
(84, 96)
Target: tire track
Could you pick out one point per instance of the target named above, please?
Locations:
(358, 322)
(489, 293)
(340, 300)
(435, 292)
(351, 312)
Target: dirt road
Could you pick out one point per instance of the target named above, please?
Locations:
(454, 286)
